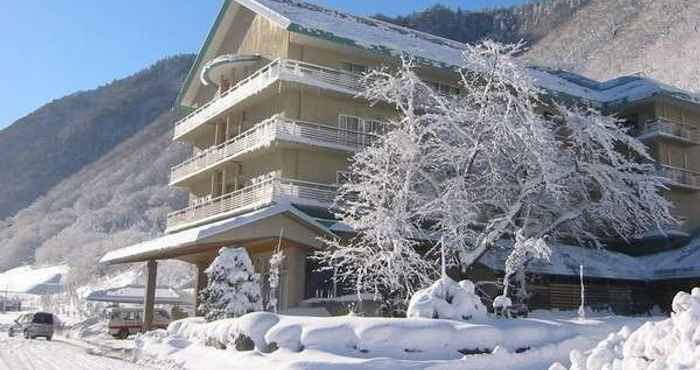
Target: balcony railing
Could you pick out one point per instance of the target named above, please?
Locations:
(680, 177)
(671, 129)
(280, 69)
(274, 190)
(268, 131)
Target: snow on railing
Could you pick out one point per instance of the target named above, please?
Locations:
(270, 191)
(280, 69)
(680, 177)
(267, 131)
(670, 128)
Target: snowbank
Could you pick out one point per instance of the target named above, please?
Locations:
(446, 299)
(393, 338)
(670, 344)
(342, 343)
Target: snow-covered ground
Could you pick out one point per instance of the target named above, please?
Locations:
(61, 353)
(375, 343)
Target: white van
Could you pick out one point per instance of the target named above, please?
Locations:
(126, 321)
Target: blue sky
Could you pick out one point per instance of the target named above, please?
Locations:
(51, 48)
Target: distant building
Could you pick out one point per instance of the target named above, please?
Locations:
(273, 117)
(135, 294)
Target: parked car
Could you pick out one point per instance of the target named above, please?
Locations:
(33, 325)
(126, 321)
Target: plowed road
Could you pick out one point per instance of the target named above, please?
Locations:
(38, 354)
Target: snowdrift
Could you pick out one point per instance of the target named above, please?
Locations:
(393, 338)
(672, 344)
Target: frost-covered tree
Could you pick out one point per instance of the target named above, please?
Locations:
(232, 289)
(467, 171)
(276, 263)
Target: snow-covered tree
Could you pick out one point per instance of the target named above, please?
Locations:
(469, 170)
(232, 289)
(276, 263)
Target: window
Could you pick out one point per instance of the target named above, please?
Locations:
(350, 123)
(355, 68)
(352, 129)
(442, 88)
(374, 127)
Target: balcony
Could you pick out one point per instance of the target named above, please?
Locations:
(682, 133)
(279, 70)
(680, 178)
(273, 190)
(262, 135)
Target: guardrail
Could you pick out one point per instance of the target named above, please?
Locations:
(280, 69)
(674, 129)
(680, 177)
(264, 133)
(273, 190)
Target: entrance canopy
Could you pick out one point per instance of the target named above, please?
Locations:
(264, 223)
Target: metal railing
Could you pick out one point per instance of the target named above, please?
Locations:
(670, 128)
(280, 69)
(680, 176)
(273, 190)
(264, 133)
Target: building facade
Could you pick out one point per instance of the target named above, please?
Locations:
(271, 109)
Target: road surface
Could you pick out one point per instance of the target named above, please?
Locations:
(38, 354)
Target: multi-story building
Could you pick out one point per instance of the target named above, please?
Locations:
(272, 112)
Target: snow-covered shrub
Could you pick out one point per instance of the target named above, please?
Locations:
(671, 344)
(232, 289)
(447, 299)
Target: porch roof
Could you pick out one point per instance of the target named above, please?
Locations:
(566, 261)
(683, 263)
(160, 247)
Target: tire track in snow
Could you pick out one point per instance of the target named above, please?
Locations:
(21, 354)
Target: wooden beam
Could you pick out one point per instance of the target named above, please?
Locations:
(150, 294)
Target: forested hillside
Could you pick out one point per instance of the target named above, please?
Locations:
(121, 197)
(606, 39)
(63, 136)
(529, 22)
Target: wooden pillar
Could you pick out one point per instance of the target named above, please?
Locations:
(150, 294)
(200, 282)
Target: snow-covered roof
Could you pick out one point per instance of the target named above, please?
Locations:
(30, 280)
(617, 91)
(155, 248)
(388, 39)
(566, 259)
(135, 294)
(378, 36)
(678, 264)
(364, 32)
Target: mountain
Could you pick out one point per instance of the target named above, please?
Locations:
(63, 136)
(110, 152)
(600, 39)
(605, 39)
(530, 22)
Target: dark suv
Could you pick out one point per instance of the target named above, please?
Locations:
(33, 325)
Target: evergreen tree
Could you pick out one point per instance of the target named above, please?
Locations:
(232, 289)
